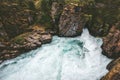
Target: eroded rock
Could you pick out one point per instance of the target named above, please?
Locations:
(111, 43)
(15, 17)
(114, 73)
(23, 43)
(71, 21)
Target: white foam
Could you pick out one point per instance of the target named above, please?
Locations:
(77, 58)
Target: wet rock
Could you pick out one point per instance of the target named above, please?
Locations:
(71, 21)
(8, 54)
(30, 46)
(113, 63)
(24, 43)
(111, 43)
(46, 38)
(114, 70)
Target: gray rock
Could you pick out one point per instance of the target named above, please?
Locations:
(71, 21)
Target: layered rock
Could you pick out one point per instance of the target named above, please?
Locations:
(104, 14)
(15, 16)
(114, 70)
(17, 31)
(71, 21)
(111, 43)
(24, 43)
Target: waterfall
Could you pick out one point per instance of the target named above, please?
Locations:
(76, 58)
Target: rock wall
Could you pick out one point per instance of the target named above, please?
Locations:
(18, 20)
(111, 48)
(72, 21)
(23, 43)
(114, 70)
(19, 29)
(16, 17)
(104, 14)
(111, 43)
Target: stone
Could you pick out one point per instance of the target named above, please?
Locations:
(46, 38)
(18, 19)
(71, 21)
(111, 43)
(2, 46)
(113, 63)
(114, 70)
(38, 43)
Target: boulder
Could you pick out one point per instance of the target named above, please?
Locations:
(111, 43)
(71, 21)
(8, 54)
(23, 43)
(46, 38)
(114, 73)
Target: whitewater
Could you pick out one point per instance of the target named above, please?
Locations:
(77, 58)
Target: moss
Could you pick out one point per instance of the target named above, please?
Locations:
(20, 39)
(88, 17)
(31, 5)
(46, 19)
(104, 14)
(98, 27)
(80, 2)
(71, 1)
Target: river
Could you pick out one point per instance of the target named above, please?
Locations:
(77, 58)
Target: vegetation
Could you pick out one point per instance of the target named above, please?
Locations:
(44, 6)
(100, 14)
(105, 13)
(20, 39)
(80, 2)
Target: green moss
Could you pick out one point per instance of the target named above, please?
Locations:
(20, 39)
(105, 13)
(45, 8)
(31, 5)
(71, 1)
(88, 17)
(80, 2)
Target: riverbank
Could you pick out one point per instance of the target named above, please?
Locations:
(77, 58)
(29, 24)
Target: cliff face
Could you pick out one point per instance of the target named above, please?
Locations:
(72, 21)
(111, 43)
(20, 29)
(114, 70)
(104, 15)
(15, 17)
(26, 24)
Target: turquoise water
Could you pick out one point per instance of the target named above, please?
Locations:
(76, 58)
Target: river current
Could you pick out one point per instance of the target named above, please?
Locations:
(77, 58)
